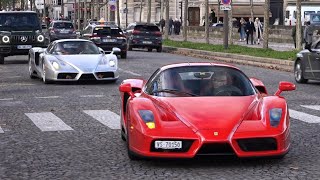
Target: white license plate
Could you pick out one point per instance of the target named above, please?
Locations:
(24, 46)
(146, 42)
(168, 144)
(109, 40)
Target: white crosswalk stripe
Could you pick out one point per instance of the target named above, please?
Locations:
(304, 116)
(1, 131)
(47, 121)
(314, 107)
(106, 117)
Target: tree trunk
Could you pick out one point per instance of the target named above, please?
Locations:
(266, 24)
(118, 13)
(230, 34)
(207, 21)
(167, 19)
(161, 9)
(85, 16)
(78, 15)
(185, 20)
(140, 19)
(149, 11)
(251, 9)
(219, 2)
(298, 26)
(98, 9)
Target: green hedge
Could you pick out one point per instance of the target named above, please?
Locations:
(236, 49)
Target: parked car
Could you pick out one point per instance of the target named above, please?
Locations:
(190, 109)
(307, 64)
(19, 32)
(72, 60)
(61, 29)
(106, 36)
(144, 35)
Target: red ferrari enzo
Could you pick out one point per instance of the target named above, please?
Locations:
(190, 109)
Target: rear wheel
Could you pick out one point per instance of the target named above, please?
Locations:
(32, 76)
(131, 155)
(1, 59)
(159, 49)
(149, 50)
(123, 55)
(129, 47)
(298, 73)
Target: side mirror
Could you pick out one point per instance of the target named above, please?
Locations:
(101, 50)
(285, 86)
(116, 50)
(259, 85)
(126, 88)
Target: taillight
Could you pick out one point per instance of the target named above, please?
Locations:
(94, 37)
(290, 22)
(158, 33)
(135, 32)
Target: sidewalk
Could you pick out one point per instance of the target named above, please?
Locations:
(217, 41)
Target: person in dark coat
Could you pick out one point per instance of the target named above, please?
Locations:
(162, 24)
(177, 25)
(170, 25)
(249, 30)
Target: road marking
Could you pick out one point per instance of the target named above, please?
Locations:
(16, 84)
(314, 107)
(304, 116)
(6, 99)
(47, 97)
(1, 131)
(129, 72)
(47, 121)
(106, 117)
(85, 96)
(13, 77)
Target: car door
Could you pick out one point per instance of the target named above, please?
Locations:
(315, 62)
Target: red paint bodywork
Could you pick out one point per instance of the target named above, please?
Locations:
(197, 118)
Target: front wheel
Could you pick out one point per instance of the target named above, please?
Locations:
(123, 55)
(298, 73)
(44, 79)
(1, 59)
(32, 76)
(159, 49)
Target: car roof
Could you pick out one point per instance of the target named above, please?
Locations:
(196, 64)
(17, 12)
(144, 23)
(55, 21)
(66, 40)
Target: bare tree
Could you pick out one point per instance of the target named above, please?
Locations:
(298, 26)
(85, 16)
(149, 11)
(141, 10)
(251, 8)
(166, 34)
(266, 24)
(218, 15)
(206, 23)
(230, 34)
(185, 20)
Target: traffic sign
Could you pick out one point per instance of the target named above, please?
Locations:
(112, 2)
(112, 7)
(226, 2)
(225, 7)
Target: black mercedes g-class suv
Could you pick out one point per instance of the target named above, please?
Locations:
(19, 32)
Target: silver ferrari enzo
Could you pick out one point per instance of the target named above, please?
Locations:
(72, 60)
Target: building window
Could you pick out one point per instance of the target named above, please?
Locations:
(157, 18)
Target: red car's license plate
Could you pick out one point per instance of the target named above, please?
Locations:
(168, 144)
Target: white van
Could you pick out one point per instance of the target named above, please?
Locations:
(291, 14)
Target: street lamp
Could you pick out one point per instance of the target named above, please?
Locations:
(126, 11)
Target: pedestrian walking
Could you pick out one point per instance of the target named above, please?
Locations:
(162, 24)
(177, 25)
(307, 36)
(249, 30)
(258, 29)
(170, 25)
(241, 30)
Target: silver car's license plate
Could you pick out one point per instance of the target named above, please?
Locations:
(24, 47)
(146, 42)
(168, 144)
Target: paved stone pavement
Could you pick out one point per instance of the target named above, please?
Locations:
(272, 45)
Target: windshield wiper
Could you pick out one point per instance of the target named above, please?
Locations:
(174, 91)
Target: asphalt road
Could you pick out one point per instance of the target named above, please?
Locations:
(89, 147)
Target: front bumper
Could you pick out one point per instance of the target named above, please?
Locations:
(198, 145)
(108, 47)
(12, 49)
(141, 43)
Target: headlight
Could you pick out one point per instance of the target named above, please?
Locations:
(275, 116)
(5, 39)
(121, 38)
(148, 118)
(112, 63)
(55, 65)
(40, 38)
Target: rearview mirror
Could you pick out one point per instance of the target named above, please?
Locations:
(126, 88)
(101, 50)
(285, 86)
(115, 50)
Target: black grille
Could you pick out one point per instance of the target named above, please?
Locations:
(23, 38)
(87, 77)
(186, 144)
(105, 74)
(216, 149)
(5, 49)
(67, 75)
(257, 144)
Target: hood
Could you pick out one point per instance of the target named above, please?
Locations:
(210, 113)
(86, 63)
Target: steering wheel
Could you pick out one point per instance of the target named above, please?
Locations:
(228, 90)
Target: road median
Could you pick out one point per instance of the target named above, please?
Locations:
(271, 63)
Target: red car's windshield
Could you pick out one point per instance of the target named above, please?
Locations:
(200, 81)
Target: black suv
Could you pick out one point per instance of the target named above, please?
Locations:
(61, 30)
(19, 32)
(106, 37)
(144, 35)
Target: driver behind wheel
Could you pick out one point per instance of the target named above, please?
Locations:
(218, 82)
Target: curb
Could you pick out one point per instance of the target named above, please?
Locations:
(270, 63)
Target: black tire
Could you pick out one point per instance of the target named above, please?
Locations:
(124, 55)
(298, 73)
(1, 59)
(123, 134)
(132, 156)
(159, 49)
(149, 50)
(44, 79)
(31, 75)
(129, 47)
